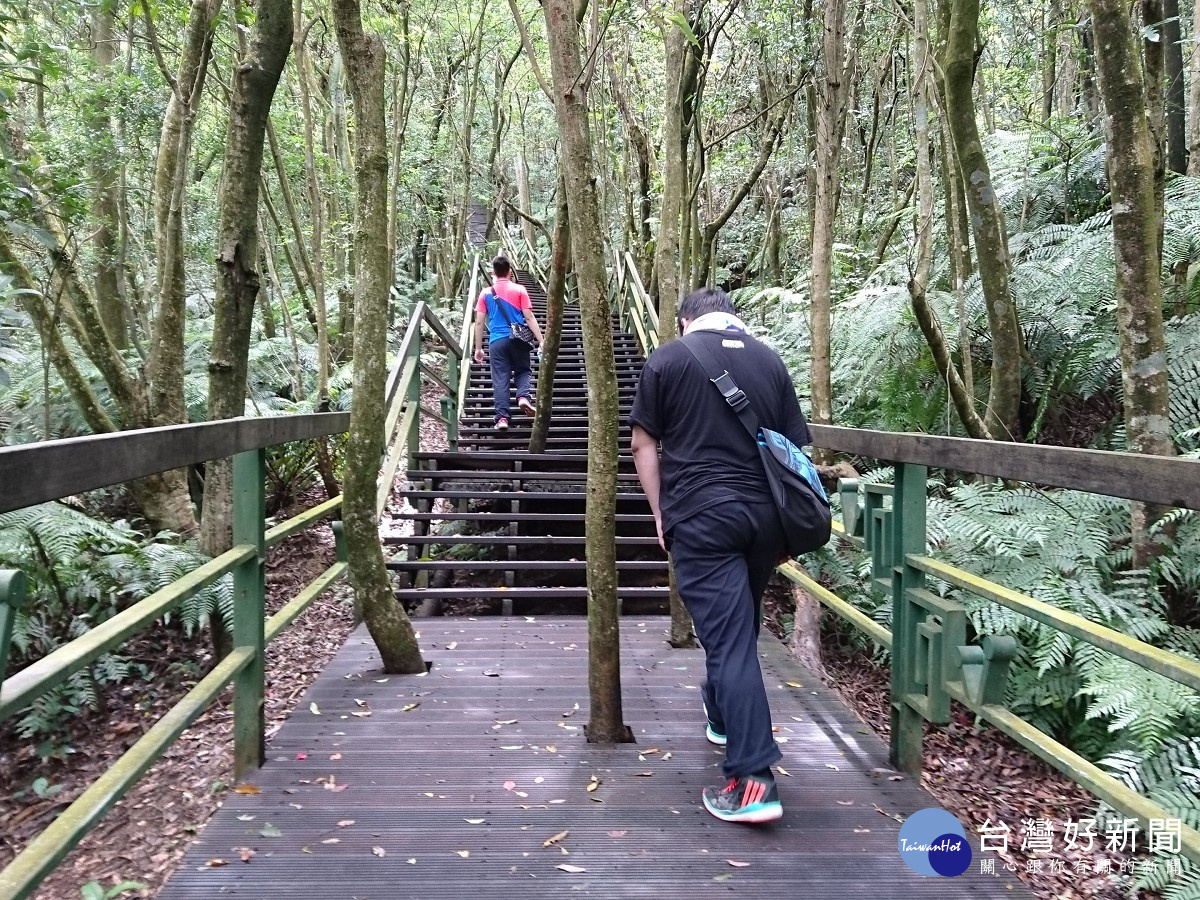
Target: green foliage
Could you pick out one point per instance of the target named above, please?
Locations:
(82, 572)
(93, 890)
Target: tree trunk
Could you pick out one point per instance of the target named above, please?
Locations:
(960, 394)
(606, 723)
(390, 628)
(991, 240)
(1176, 111)
(237, 277)
(805, 641)
(165, 365)
(556, 291)
(1135, 236)
(831, 95)
(666, 251)
(1193, 108)
(106, 207)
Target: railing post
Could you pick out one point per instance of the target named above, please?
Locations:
(249, 611)
(12, 597)
(450, 403)
(907, 536)
(413, 438)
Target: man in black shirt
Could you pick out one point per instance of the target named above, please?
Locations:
(714, 513)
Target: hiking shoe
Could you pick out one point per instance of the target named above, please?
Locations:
(714, 732)
(501, 425)
(525, 405)
(749, 799)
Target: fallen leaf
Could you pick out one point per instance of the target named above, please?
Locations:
(896, 778)
(247, 789)
(452, 645)
(862, 830)
(550, 748)
(245, 818)
(782, 771)
(521, 793)
(509, 785)
(429, 794)
(412, 861)
(793, 684)
(270, 830)
(410, 707)
(217, 863)
(573, 870)
(301, 756)
(571, 712)
(644, 774)
(345, 823)
(558, 801)
(506, 721)
(554, 840)
(491, 674)
(246, 853)
(724, 876)
(361, 715)
(666, 756)
(360, 702)
(651, 750)
(618, 834)
(463, 853)
(314, 709)
(474, 821)
(332, 841)
(832, 766)
(736, 864)
(593, 784)
(335, 756)
(513, 747)
(845, 803)
(538, 780)
(379, 851)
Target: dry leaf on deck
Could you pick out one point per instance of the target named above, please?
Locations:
(554, 840)
(573, 870)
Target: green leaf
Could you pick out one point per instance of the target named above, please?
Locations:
(270, 830)
(92, 891)
(677, 19)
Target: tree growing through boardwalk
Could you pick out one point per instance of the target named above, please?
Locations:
(386, 620)
(1136, 224)
(570, 85)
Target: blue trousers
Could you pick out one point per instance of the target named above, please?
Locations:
(724, 556)
(510, 360)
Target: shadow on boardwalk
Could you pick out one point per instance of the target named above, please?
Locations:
(458, 782)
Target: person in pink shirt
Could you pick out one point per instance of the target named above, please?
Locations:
(499, 306)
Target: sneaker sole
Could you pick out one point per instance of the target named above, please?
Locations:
(714, 737)
(749, 815)
(526, 407)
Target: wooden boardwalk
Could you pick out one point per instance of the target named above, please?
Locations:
(464, 780)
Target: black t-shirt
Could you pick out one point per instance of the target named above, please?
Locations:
(708, 457)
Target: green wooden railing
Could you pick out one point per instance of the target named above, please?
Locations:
(635, 311)
(69, 467)
(933, 662)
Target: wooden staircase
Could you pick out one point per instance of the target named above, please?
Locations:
(499, 530)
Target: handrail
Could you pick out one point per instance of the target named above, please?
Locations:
(932, 660)
(636, 311)
(80, 464)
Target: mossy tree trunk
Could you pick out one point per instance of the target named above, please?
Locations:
(556, 289)
(1136, 228)
(255, 79)
(987, 219)
(390, 628)
(606, 723)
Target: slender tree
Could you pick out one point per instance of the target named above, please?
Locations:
(238, 279)
(390, 628)
(1136, 241)
(570, 84)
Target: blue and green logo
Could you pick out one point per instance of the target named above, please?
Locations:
(933, 842)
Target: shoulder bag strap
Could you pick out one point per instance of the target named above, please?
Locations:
(724, 383)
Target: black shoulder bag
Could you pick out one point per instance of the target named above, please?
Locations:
(793, 478)
(517, 330)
